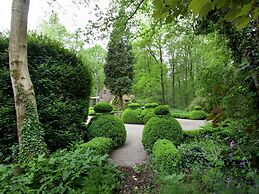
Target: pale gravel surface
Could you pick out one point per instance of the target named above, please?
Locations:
(133, 153)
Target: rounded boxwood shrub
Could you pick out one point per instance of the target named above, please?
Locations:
(165, 156)
(134, 105)
(132, 115)
(198, 115)
(148, 112)
(197, 108)
(151, 105)
(62, 84)
(162, 110)
(99, 145)
(161, 127)
(107, 125)
(103, 107)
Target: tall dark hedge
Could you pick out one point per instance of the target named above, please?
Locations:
(62, 84)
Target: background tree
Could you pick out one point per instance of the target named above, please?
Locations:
(118, 68)
(95, 58)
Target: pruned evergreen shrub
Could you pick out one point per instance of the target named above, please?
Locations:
(62, 84)
(198, 114)
(132, 114)
(165, 156)
(99, 145)
(161, 127)
(197, 108)
(103, 107)
(151, 105)
(148, 112)
(107, 125)
(134, 105)
(162, 110)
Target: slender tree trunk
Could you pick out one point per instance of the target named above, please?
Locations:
(172, 67)
(162, 72)
(28, 125)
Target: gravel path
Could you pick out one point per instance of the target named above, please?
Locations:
(132, 152)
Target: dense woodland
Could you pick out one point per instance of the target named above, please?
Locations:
(195, 59)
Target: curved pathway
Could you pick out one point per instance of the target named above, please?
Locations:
(132, 152)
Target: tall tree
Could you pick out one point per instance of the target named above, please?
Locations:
(30, 133)
(118, 68)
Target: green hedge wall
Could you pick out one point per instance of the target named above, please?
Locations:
(62, 84)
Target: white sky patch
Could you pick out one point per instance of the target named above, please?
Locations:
(72, 16)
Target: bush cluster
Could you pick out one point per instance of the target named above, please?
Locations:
(103, 107)
(165, 156)
(62, 84)
(76, 171)
(162, 127)
(109, 126)
(131, 115)
(98, 145)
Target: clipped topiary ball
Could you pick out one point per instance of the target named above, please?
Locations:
(151, 105)
(162, 127)
(165, 156)
(162, 110)
(107, 125)
(198, 115)
(148, 112)
(132, 114)
(134, 105)
(103, 107)
(197, 108)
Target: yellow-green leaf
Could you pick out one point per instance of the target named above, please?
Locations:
(245, 9)
(220, 4)
(242, 22)
(200, 7)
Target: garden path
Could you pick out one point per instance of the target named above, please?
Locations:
(133, 153)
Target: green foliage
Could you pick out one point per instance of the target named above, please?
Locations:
(109, 126)
(134, 105)
(118, 68)
(165, 156)
(103, 107)
(198, 115)
(62, 86)
(132, 115)
(95, 57)
(91, 111)
(197, 108)
(161, 127)
(76, 171)
(147, 113)
(232, 11)
(162, 110)
(98, 145)
(151, 105)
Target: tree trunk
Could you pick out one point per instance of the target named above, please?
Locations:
(24, 97)
(120, 101)
(162, 73)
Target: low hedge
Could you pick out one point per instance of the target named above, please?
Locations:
(165, 156)
(75, 171)
(151, 105)
(161, 127)
(107, 125)
(99, 145)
